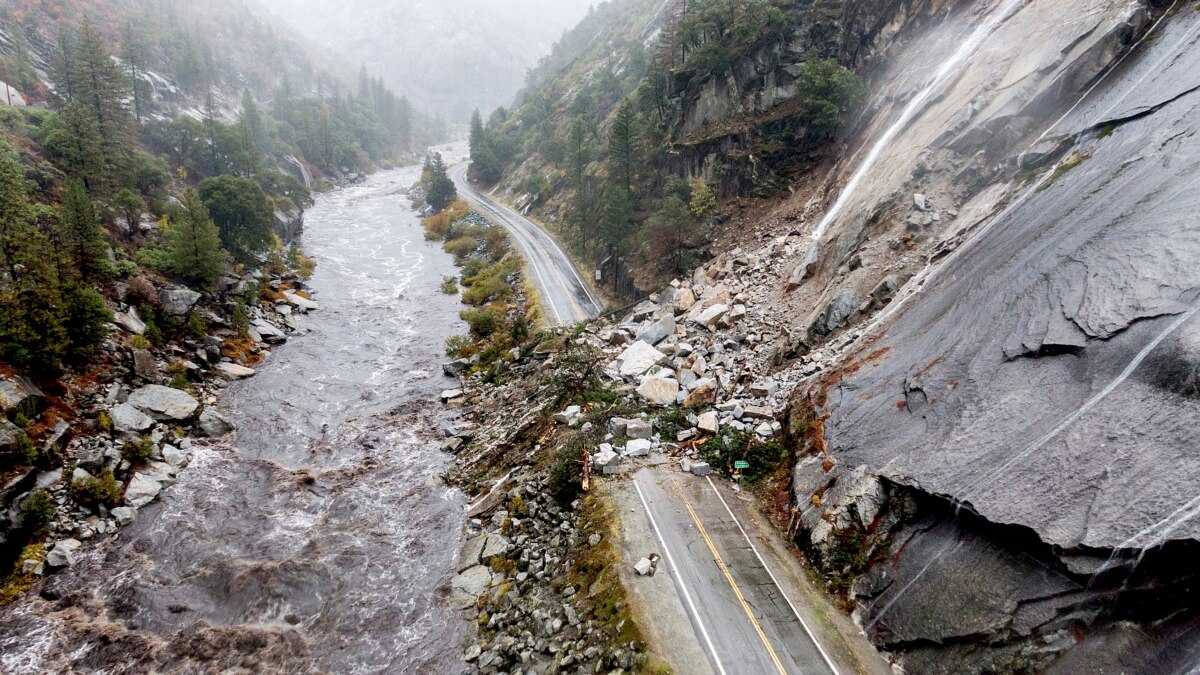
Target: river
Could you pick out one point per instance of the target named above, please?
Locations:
(321, 539)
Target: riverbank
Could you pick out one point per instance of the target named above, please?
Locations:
(313, 538)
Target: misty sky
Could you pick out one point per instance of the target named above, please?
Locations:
(447, 56)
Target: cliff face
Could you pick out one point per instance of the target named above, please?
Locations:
(1017, 423)
(991, 290)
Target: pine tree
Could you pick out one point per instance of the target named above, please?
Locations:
(99, 86)
(194, 243)
(31, 313)
(134, 56)
(252, 118)
(76, 146)
(441, 191)
(82, 236)
(623, 147)
(476, 139)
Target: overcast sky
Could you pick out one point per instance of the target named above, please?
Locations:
(447, 56)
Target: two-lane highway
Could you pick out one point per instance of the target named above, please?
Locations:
(565, 296)
(743, 614)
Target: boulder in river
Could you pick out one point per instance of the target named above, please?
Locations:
(63, 553)
(469, 585)
(142, 489)
(213, 424)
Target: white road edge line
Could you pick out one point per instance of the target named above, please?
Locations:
(528, 254)
(679, 578)
(811, 635)
(553, 242)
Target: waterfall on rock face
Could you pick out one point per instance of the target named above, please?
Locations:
(949, 67)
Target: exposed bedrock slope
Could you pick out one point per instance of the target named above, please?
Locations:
(1030, 406)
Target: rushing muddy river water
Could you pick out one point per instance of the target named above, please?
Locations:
(319, 539)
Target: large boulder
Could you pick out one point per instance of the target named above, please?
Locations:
(637, 359)
(164, 403)
(144, 365)
(142, 489)
(299, 301)
(178, 301)
(655, 331)
(10, 435)
(130, 322)
(467, 586)
(63, 553)
(659, 391)
(234, 371)
(126, 418)
(712, 316)
(268, 331)
(19, 395)
(832, 316)
(213, 424)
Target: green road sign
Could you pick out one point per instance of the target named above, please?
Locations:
(741, 464)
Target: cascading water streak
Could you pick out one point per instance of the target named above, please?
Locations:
(949, 67)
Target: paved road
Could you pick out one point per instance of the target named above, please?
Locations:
(744, 619)
(565, 296)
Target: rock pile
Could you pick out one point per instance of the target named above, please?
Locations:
(132, 433)
(519, 578)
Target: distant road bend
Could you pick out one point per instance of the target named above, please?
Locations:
(567, 299)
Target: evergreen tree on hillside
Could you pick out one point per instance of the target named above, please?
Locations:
(578, 154)
(73, 142)
(90, 78)
(623, 147)
(31, 321)
(133, 53)
(241, 211)
(441, 191)
(81, 234)
(251, 119)
(476, 137)
(194, 243)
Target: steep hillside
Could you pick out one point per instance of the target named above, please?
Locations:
(972, 278)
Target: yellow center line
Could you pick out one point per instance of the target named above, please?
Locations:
(729, 578)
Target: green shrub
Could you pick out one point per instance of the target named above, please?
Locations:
(104, 422)
(566, 474)
(455, 344)
(483, 322)
(127, 268)
(23, 453)
(154, 257)
(450, 285)
(731, 445)
(197, 326)
(86, 321)
(137, 451)
(153, 333)
(37, 512)
(241, 323)
(179, 381)
(461, 247)
(137, 342)
(94, 491)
